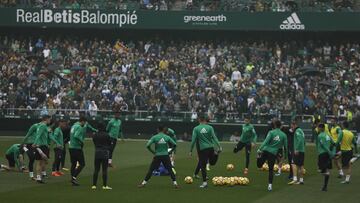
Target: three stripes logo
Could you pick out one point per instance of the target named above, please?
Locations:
(292, 23)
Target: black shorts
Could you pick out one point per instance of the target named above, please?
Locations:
(31, 151)
(346, 157)
(298, 159)
(45, 150)
(324, 162)
(240, 145)
(11, 160)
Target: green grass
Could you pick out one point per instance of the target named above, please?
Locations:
(132, 161)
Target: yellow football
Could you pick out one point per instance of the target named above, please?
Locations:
(188, 180)
(230, 167)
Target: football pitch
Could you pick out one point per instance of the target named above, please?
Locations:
(132, 161)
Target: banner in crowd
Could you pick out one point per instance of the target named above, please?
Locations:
(190, 20)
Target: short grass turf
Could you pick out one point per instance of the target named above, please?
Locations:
(132, 161)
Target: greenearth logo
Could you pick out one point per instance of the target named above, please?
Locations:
(76, 17)
(205, 20)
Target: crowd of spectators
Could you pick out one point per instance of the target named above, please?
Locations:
(163, 76)
(202, 5)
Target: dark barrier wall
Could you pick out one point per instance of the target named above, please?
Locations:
(134, 129)
(187, 20)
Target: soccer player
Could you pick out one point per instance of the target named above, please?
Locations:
(161, 155)
(323, 146)
(275, 140)
(335, 132)
(114, 130)
(14, 155)
(77, 137)
(247, 140)
(41, 145)
(57, 137)
(346, 139)
(102, 144)
(297, 163)
(204, 134)
(28, 143)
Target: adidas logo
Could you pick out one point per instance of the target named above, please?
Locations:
(162, 141)
(292, 23)
(203, 131)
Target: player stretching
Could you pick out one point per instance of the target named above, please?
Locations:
(275, 140)
(14, 155)
(346, 140)
(204, 134)
(58, 139)
(335, 133)
(299, 154)
(161, 155)
(323, 145)
(41, 145)
(114, 130)
(28, 142)
(247, 140)
(77, 137)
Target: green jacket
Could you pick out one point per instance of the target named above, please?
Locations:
(161, 142)
(114, 128)
(204, 135)
(275, 140)
(31, 134)
(248, 134)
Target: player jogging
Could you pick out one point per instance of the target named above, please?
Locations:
(77, 137)
(204, 134)
(323, 146)
(57, 137)
(248, 140)
(28, 143)
(275, 140)
(346, 139)
(114, 130)
(161, 155)
(335, 133)
(41, 145)
(297, 163)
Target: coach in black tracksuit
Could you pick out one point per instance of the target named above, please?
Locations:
(290, 138)
(102, 144)
(66, 137)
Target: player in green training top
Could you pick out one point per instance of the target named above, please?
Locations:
(77, 137)
(275, 140)
(247, 139)
(325, 154)
(41, 144)
(28, 142)
(297, 162)
(14, 155)
(161, 154)
(58, 138)
(204, 134)
(114, 130)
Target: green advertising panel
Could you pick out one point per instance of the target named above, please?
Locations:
(123, 19)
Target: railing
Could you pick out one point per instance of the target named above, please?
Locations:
(147, 115)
